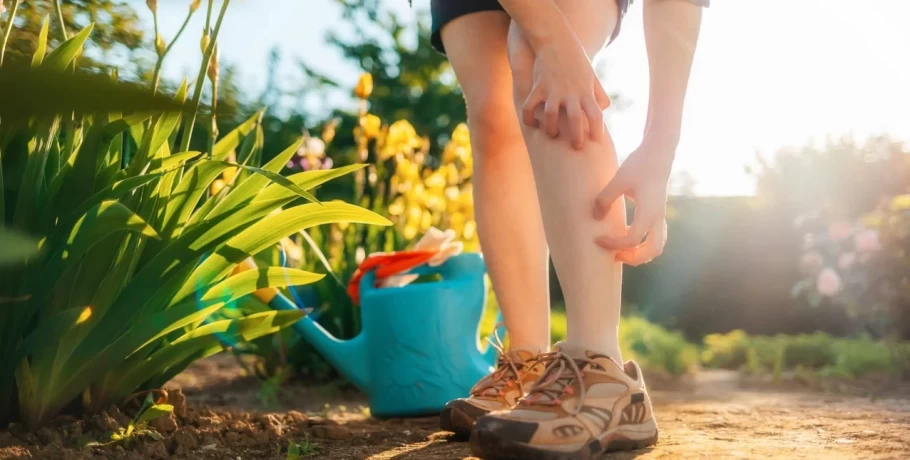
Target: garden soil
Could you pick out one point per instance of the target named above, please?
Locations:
(713, 414)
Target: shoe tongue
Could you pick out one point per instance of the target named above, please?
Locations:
(575, 352)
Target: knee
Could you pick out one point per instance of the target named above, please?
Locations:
(493, 124)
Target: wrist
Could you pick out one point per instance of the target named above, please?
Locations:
(661, 142)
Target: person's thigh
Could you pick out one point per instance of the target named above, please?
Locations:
(476, 45)
(592, 21)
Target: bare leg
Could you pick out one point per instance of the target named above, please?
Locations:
(507, 213)
(567, 181)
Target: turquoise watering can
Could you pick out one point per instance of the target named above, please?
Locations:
(419, 347)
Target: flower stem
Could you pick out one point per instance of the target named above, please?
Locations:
(200, 80)
(213, 130)
(156, 78)
(9, 29)
(60, 18)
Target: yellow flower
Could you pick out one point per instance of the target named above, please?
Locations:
(461, 134)
(452, 193)
(470, 229)
(364, 86)
(900, 203)
(426, 221)
(436, 180)
(410, 232)
(457, 222)
(402, 137)
(328, 133)
(452, 176)
(195, 5)
(371, 125)
(229, 174)
(396, 208)
(216, 187)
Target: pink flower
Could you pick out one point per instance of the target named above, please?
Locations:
(846, 260)
(828, 282)
(867, 241)
(840, 230)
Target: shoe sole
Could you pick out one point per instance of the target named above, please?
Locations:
(456, 421)
(487, 445)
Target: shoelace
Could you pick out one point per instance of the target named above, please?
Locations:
(557, 380)
(506, 371)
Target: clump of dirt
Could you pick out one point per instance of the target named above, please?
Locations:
(710, 415)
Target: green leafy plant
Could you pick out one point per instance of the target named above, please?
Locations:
(136, 248)
(805, 353)
(302, 449)
(139, 425)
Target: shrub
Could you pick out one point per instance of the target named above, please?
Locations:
(818, 352)
(136, 247)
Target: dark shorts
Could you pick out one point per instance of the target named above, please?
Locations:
(444, 11)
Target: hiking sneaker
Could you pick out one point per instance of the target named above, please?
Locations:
(512, 379)
(583, 406)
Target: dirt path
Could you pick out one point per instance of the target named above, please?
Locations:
(711, 416)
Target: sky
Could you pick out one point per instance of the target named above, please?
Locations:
(768, 74)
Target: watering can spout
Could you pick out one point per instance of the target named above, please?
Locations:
(348, 356)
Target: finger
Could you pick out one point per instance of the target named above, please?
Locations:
(595, 119)
(551, 116)
(576, 123)
(605, 199)
(534, 99)
(652, 247)
(603, 99)
(631, 239)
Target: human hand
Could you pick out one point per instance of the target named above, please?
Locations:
(643, 177)
(564, 79)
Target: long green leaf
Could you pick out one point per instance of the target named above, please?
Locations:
(80, 372)
(41, 49)
(35, 92)
(187, 194)
(50, 329)
(232, 139)
(63, 55)
(269, 231)
(208, 337)
(115, 191)
(321, 256)
(15, 247)
(33, 178)
(246, 190)
(282, 181)
(100, 221)
(250, 281)
(162, 164)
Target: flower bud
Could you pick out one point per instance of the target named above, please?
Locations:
(153, 5)
(195, 5)
(205, 42)
(160, 45)
(364, 86)
(213, 65)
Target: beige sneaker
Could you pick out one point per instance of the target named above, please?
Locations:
(512, 379)
(583, 406)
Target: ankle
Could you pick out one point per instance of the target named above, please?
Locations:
(607, 348)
